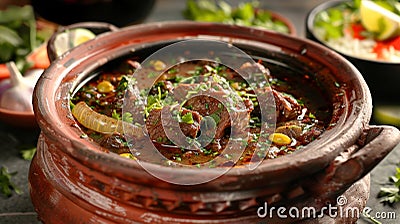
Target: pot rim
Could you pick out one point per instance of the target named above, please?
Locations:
(317, 154)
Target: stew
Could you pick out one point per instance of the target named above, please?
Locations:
(98, 108)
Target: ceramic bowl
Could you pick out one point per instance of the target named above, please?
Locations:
(18, 119)
(75, 180)
(286, 21)
(15, 118)
(96, 28)
(381, 77)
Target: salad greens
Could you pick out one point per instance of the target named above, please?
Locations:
(246, 14)
(333, 20)
(391, 5)
(18, 35)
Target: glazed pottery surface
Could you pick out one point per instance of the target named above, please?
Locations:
(74, 180)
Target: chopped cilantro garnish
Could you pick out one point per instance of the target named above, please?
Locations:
(115, 115)
(127, 117)
(123, 84)
(216, 118)
(187, 118)
(173, 71)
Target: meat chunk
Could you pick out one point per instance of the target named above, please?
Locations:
(114, 142)
(156, 129)
(211, 99)
(249, 70)
(287, 108)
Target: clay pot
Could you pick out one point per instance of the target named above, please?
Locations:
(72, 179)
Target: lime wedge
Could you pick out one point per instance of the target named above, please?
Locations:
(71, 38)
(387, 115)
(81, 35)
(379, 20)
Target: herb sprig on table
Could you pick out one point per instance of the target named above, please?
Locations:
(27, 153)
(6, 185)
(391, 194)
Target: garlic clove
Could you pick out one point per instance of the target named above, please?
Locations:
(19, 96)
(17, 99)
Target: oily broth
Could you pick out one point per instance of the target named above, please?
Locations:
(286, 79)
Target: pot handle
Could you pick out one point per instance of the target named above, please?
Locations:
(358, 160)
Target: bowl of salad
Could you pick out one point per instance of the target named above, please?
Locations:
(251, 14)
(23, 58)
(367, 33)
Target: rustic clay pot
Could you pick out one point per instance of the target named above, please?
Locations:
(73, 181)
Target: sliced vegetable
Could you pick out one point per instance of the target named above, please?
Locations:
(4, 73)
(102, 123)
(105, 87)
(38, 58)
(379, 20)
(280, 139)
(71, 38)
(127, 155)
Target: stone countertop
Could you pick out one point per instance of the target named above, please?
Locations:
(19, 209)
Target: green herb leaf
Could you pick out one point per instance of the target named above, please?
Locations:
(127, 117)
(216, 117)
(391, 194)
(115, 115)
(332, 22)
(369, 217)
(245, 12)
(18, 36)
(10, 36)
(187, 118)
(6, 186)
(28, 154)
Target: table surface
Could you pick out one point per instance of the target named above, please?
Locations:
(19, 209)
